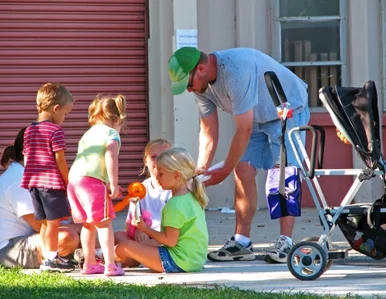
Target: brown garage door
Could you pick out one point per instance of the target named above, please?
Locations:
(90, 46)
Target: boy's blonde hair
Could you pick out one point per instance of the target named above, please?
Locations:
(178, 159)
(151, 144)
(105, 108)
(51, 94)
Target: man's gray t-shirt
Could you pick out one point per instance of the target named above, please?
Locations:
(240, 85)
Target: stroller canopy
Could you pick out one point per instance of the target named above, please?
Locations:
(354, 112)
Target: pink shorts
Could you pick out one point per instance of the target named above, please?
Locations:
(89, 200)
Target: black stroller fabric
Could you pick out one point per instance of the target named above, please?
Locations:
(357, 111)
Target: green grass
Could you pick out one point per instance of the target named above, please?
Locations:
(16, 284)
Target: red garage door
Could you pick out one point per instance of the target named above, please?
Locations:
(90, 46)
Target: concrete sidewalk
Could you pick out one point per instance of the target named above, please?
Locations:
(264, 231)
(357, 274)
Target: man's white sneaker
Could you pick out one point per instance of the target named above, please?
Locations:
(280, 251)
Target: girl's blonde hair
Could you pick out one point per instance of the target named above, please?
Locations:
(149, 146)
(178, 159)
(52, 94)
(106, 108)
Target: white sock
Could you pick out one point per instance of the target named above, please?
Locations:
(289, 240)
(99, 252)
(51, 255)
(243, 240)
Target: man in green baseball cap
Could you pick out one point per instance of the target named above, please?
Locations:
(232, 80)
(182, 62)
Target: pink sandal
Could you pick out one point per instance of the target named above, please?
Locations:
(114, 270)
(93, 269)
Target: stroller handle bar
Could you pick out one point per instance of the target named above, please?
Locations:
(278, 97)
(273, 83)
(314, 129)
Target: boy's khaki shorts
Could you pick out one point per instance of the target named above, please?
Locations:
(21, 251)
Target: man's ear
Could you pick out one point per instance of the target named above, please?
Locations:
(56, 108)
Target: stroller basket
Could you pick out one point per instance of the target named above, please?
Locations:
(368, 241)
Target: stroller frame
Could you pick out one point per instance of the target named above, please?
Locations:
(309, 259)
(299, 263)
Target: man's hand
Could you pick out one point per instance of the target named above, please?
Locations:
(217, 176)
(200, 170)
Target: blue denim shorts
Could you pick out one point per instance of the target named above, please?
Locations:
(167, 262)
(263, 150)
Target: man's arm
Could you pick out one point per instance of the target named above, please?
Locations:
(244, 125)
(208, 139)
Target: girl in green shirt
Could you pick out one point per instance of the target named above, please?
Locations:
(184, 233)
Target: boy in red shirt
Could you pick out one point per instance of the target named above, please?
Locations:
(46, 170)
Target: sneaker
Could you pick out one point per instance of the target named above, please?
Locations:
(57, 265)
(70, 259)
(232, 251)
(93, 269)
(280, 251)
(114, 270)
(79, 257)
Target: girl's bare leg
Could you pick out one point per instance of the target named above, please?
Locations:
(106, 240)
(87, 236)
(144, 254)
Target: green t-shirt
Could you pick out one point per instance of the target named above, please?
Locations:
(185, 213)
(90, 159)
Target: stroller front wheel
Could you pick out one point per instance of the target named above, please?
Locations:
(307, 260)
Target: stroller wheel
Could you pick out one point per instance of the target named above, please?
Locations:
(307, 260)
(316, 239)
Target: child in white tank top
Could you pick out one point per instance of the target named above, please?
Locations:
(155, 198)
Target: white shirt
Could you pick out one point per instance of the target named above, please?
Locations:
(15, 202)
(154, 202)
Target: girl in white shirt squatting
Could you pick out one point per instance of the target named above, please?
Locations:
(154, 200)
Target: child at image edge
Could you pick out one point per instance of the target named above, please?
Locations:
(46, 170)
(184, 234)
(93, 182)
(154, 200)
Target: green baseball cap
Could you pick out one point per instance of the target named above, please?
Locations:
(181, 63)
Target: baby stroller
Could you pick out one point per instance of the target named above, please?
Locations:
(354, 112)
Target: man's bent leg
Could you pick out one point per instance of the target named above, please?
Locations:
(245, 198)
(287, 226)
(21, 252)
(245, 205)
(68, 241)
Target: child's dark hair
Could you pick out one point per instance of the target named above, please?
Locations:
(13, 152)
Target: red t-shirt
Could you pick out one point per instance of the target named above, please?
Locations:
(41, 141)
